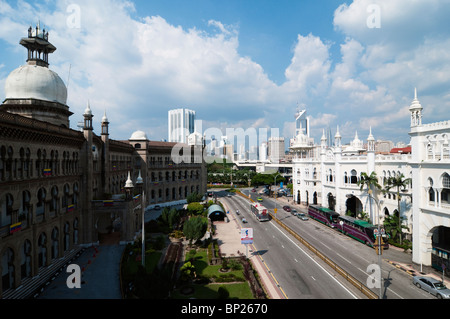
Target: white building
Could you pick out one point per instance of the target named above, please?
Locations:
(181, 125)
(328, 175)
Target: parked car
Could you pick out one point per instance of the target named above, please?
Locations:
(253, 190)
(244, 220)
(237, 212)
(259, 199)
(157, 207)
(302, 216)
(287, 208)
(433, 286)
(294, 211)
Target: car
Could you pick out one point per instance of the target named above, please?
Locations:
(433, 286)
(157, 207)
(287, 208)
(237, 212)
(294, 211)
(228, 195)
(302, 216)
(253, 190)
(259, 199)
(210, 194)
(244, 220)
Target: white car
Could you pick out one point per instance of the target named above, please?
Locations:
(433, 286)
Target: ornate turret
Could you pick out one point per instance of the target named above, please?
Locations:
(38, 46)
(416, 111)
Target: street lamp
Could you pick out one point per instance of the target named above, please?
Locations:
(140, 183)
(378, 237)
(275, 195)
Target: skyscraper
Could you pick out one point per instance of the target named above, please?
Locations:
(181, 124)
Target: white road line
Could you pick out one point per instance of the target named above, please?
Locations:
(344, 258)
(331, 276)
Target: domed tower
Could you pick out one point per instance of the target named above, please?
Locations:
(33, 90)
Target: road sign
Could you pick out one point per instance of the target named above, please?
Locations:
(247, 236)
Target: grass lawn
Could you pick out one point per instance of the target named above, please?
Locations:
(237, 290)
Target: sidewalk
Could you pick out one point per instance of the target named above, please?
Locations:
(400, 260)
(229, 239)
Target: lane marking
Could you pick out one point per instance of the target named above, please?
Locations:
(331, 276)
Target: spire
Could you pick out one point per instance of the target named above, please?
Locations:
(129, 182)
(370, 138)
(88, 117)
(104, 118)
(416, 111)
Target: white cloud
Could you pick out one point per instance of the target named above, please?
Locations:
(139, 68)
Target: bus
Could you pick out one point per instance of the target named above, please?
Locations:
(323, 215)
(259, 211)
(360, 230)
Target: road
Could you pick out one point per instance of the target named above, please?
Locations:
(351, 255)
(299, 275)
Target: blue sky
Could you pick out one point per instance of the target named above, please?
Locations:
(243, 63)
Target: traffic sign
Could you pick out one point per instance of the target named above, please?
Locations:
(247, 236)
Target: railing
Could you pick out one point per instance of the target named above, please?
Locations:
(356, 283)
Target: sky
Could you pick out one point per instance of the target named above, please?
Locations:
(243, 63)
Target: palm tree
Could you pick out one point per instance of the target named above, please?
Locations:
(371, 182)
(398, 181)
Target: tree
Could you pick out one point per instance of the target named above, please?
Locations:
(195, 209)
(195, 228)
(371, 182)
(399, 182)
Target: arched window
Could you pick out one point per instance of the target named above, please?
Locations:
(6, 210)
(445, 193)
(75, 231)
(353, 177)
(25, 266)
(55, 243)
(42, 248)
(40, 206)
(8, 269)
(66, 236)
(54, 203)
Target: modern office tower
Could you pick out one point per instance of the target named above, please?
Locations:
(276, 149)
(181, 124)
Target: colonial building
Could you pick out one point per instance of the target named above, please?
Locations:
(328, 175)
(63, 189)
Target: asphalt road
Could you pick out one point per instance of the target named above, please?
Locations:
(299, 275)
(351, 255)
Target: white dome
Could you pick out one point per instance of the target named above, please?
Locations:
(139, 135)
(36, 82)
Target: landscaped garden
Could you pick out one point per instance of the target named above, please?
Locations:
(202, 273)
(201, 280)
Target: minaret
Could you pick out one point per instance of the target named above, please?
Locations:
(416, 111)
(337, 169)
(105, 155)
(370, 153)
(88, 173)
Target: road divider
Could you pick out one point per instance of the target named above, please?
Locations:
(356, 283)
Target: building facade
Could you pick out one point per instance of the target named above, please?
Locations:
(63, 189)
(328, 176)
(181, 125)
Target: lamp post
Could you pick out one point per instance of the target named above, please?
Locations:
(140, 183)
(378, 236)
(275, 195)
